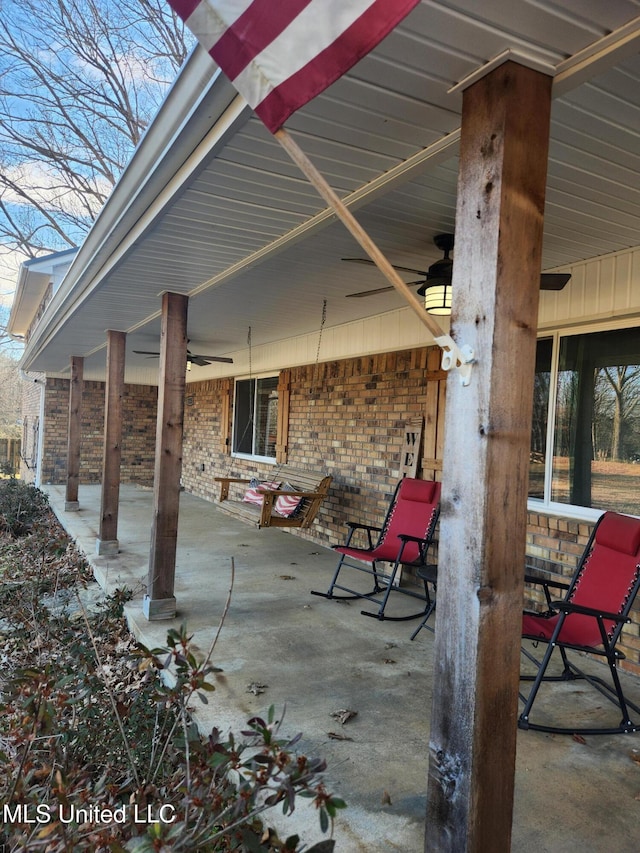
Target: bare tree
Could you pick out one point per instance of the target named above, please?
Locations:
(10, 396)
(80, 81)
(624, 382)
(8, 347)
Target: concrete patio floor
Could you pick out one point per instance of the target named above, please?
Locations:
(315, 657)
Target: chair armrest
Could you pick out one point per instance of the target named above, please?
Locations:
(353, 526)
(423, 543)
(570, 607)
(541, 578)
(543, 581)
(224, 485)
(542, 570)
(404, 537)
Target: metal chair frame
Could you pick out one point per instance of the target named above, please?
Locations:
(571, 672)
(383, 583)
(428, 575)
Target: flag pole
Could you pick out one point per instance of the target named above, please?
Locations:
(453, 356)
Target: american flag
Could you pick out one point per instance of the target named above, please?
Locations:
(279, 54)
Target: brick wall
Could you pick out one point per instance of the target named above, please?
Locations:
(139, 415)
(138, 432)
(204, 437)
(346, 418)
(56, 417)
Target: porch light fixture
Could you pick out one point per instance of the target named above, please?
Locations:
(436, 289)
(437, 298)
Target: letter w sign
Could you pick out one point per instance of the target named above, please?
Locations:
(411, 447)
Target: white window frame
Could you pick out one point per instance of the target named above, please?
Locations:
(236, 454)
(546, 506)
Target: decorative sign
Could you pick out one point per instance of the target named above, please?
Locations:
(411, 447)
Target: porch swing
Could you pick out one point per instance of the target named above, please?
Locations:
(291, 497)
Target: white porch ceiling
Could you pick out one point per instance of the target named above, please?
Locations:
(229, 220)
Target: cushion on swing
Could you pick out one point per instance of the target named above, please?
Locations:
(286, 505)
(254, 494)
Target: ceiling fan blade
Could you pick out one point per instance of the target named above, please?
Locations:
(204, 360)
(395, 266)
(362, 293)
(548, 281)
(209, 358)
(554, 280)
(200, 360)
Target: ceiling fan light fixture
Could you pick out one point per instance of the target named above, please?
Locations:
(437, 297)
(436, 290)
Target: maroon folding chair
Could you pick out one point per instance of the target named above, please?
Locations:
(589, 619)
(404, 539)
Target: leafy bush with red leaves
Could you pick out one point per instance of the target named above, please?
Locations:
(98, 749)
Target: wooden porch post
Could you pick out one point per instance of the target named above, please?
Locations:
(501, 187)
(71, 503)
(107, 541)
(160, 602)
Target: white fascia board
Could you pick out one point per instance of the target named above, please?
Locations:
(17, 318)
(33, 279)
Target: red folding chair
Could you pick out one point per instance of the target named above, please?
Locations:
(589, 619)
(404, 539)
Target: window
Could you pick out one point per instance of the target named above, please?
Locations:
(255, 422)
(585, 438)
(542, 384)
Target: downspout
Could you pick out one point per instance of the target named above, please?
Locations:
(41, 425)
(39, 450)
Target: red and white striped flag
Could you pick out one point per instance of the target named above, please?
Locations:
(279, 54)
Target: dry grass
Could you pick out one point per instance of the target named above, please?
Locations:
(614, 485)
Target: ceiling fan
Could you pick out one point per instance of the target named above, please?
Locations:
(192, 358)
(441, 271)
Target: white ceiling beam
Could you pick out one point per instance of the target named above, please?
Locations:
(597, 58)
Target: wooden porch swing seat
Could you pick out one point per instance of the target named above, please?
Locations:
(404, 539)
(309, 487)
(590, 618)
